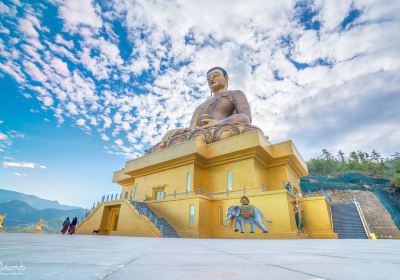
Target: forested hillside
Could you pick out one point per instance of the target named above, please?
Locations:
(357, 171)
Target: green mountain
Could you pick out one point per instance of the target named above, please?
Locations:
(32, 200)
(21, 217)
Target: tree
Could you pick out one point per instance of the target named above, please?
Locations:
(341, 156)
(353, 157)
(361, 156)
(396, 165)
(326, 155)
(354, 161)
(375, 156)
(395, 182)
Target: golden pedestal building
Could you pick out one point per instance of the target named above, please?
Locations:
(187, 188)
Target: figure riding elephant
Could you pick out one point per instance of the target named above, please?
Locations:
(256, 218)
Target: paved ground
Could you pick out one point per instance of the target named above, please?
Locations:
(100, 257)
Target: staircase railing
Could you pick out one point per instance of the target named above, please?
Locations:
(363, 220)
(145, 211)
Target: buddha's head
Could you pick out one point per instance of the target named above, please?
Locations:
(217, 79)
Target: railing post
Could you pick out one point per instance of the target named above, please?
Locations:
(244, 190)
(363, 220)
(227, 192)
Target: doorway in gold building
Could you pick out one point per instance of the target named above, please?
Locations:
(109, 221)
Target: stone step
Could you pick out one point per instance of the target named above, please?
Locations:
(167, 229)
(168, 232)
(348, 225)
(349, 229)
(352, 236)
(347, 222)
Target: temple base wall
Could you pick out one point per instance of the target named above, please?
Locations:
(192, 185)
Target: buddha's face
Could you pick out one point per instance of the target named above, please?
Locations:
(217, 81)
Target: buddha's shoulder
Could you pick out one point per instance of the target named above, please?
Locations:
(235, 93)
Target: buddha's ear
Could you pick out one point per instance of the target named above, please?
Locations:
(226, 78)
(227, 81)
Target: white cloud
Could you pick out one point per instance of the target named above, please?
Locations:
(133, 95)
(105, 137)
(62, 41)
(20, 174)
(34, 71)
(27, 28)
(80, 122)
(60, 66)
(31, 165)
(3, 137)
(79, 12)
(119, 142)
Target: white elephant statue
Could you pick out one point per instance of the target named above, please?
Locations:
(233, 212)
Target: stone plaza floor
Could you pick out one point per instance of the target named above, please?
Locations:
(46, 256)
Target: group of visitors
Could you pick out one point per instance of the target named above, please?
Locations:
(69, 226)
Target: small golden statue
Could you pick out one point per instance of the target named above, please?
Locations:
(2, 218)
(38, 227)
(225, 114)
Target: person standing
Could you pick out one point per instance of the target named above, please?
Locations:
(72, 226)
(66, 224)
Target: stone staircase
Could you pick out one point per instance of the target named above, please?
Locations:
(165, 228)
(347, 222)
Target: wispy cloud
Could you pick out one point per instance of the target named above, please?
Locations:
(3, 137)
(7, 138)
(20, 174)
(132, 70)
(31, 165)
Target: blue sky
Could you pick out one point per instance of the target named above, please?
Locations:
(86, 85)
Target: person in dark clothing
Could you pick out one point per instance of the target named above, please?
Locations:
(65, 225)
(72, 226)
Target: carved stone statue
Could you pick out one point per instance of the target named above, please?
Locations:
(224, 114)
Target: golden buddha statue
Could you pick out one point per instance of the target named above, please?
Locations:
(2, 218)
(224, 114)
(224, 106)
(38, 227)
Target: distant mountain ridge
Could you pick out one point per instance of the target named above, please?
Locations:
(33, 201)
(20, 214)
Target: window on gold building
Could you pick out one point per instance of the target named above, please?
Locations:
(191, 214)
(230, 184)
(189, 181)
